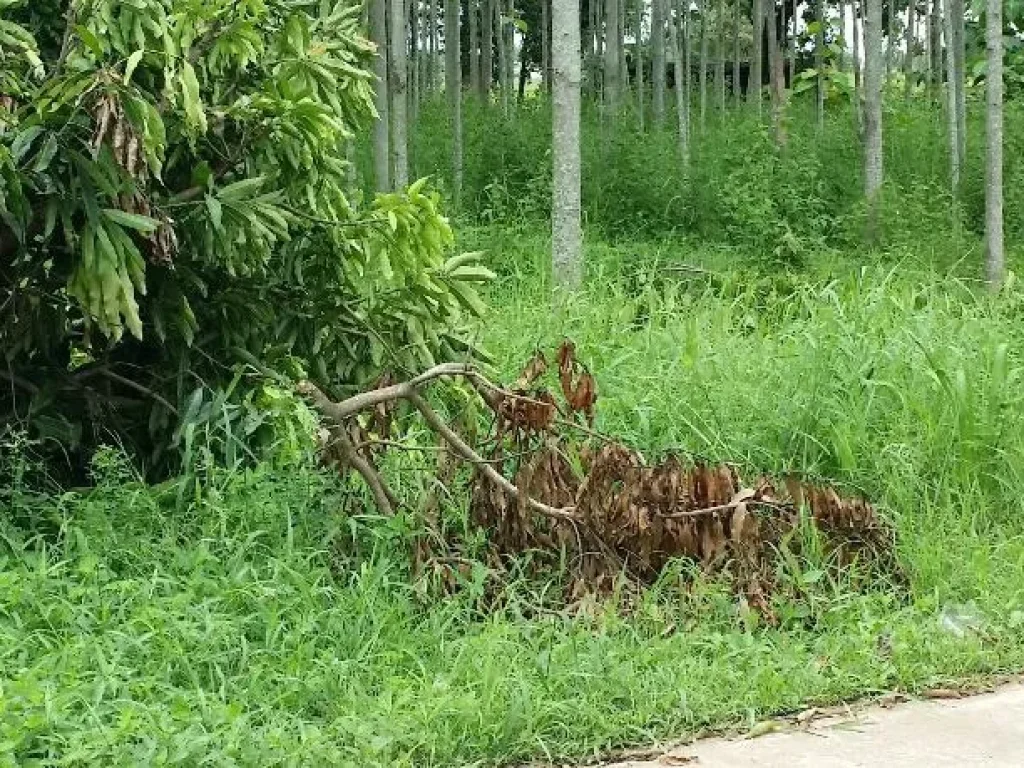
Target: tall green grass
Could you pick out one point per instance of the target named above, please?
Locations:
(272, 622)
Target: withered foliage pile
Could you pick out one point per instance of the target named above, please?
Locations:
(549, 485)
(624, 517)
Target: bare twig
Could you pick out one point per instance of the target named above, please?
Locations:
(382, 495)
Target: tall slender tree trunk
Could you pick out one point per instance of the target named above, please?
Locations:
(658, 61)
(756, 77)
(620, 43)
(510, 49)
(959, 79)
(453, 86)
(819, 64)
(994, 259)
(474, 46)
(399, 73)
(794, 43)
(566, 230)
(873, 69)
(503, 56)
(911, 44)
(737, 87)
(703, 65)
(842, 31)
(545, 44)
(639, 48)
(777, 78)
(857, 55)
(378, 19)
(432, 39)
(676, 43)
(413, 7)
(951, 121)
(890, 42)
(486, 49)
(934, 48)
(720, 59)
(611, 56)
(685, 18)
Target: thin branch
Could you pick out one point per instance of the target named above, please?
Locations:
(468, 454)
(382, 495)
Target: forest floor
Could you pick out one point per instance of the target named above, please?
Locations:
(984, 730)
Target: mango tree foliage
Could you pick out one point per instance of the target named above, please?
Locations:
(177, 214)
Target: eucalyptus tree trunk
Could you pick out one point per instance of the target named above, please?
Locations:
(474, 46)
(737, 89)
(841, 64)
(432, 39)
(676, 44)
(503, 56)
(793, 44)
(911, 43)
(703, 65)
(453, 86)
(413, 7)
(856, 55)
(951, 121)
(378, 20)
(777, 79)
(685, 18)
(873, 70)
(994, 259)
(398, 72)
(756, 77)
(508, 31)
(545, 44)
(933, 47)
(819, 63)
(566, 230)
(639, 48)
(658, 61)
(720, 61)
(890, 42)
(960, 79)
(611, 56)
(486, 49)
(621, 45)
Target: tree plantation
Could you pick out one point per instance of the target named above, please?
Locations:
(429, 383)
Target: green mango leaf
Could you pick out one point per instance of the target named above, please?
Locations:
(138, 222)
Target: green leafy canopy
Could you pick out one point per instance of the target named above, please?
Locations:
(176, 203)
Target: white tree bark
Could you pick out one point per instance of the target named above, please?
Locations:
(910, 43)
(720, 59)
(545, 44)
(474, 46)
(951, 121)
(398, 71)
(681, 83)
(503, 56)
(737, 91)
(777, 78)
(873, 71)
(566, 229)
(819, 64)
(486, 49)
(453, 86)
(611, 56)
(994, 258)
(658, 61)
(378, 19)
(756, 76)
(702, 75)
(639, 48)
(960, 79)
(434, 47)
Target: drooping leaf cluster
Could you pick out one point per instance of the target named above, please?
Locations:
(177, 214)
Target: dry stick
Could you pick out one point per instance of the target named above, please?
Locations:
(381, 493)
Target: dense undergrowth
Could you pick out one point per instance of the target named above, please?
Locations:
(262, 617)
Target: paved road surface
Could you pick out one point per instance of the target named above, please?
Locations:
(985, 730)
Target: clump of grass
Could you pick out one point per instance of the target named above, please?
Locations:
(272, 621)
